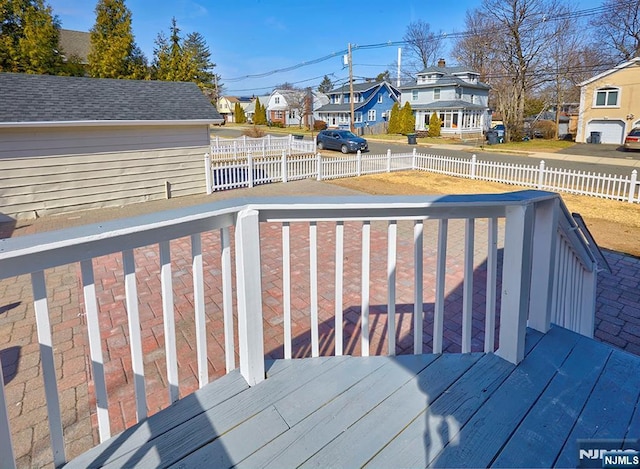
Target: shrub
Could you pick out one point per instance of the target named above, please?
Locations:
(319, 125)
(407, 120)
(255, 132)
(546, 128)
(394, 119)
(434, 125)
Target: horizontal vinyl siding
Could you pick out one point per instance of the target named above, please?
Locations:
(54, 184)
(27, 142)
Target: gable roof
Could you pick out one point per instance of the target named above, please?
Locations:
(448, 77)
(75, 43)
(362, 87)
(635, 61)
(56, 100)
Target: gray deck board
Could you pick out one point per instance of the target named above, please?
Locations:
(472, 410)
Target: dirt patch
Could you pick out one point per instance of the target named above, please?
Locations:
(614, 225)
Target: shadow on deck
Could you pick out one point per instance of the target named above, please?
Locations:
(447, 410)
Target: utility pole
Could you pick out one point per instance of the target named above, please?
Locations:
(352, 127)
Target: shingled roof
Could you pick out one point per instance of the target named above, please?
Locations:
(34, 99)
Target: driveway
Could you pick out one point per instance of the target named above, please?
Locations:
(601, 151)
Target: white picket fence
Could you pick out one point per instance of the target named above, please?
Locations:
(265, 166)
(242, 147)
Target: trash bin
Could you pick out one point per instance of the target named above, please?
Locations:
(492, 137)
(411, 139)
(595, 137)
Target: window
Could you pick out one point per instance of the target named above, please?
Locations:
(436, 94)
(414, 95)
(458, 92)
(607, 97)
(379, 98)
(357, 117)
(335, 99)
(292, 114)
(371, 115)
(277, 100)
(346, 99)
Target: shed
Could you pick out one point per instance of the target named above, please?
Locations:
(74, 143)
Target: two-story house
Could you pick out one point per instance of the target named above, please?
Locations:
(372, 103)
(455, 94)
(610, 104)
(227, 106)
(290, 107)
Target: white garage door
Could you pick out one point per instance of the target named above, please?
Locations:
(612, 131)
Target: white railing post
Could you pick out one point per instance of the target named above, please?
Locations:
(587, 321)
(389, 160)
(249, 296)
(474, 161)
(235, 150)
(632, 186)
(319, 167)
(264, 148)
(545, 226)
(250, 169)
(359, 163)
(6, 444)
(540, 175)
(208, 176)
(516, 275)
(414, 159)
(284, 166)
(244, 141)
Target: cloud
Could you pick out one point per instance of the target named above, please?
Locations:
(194, 10)
(273, 23)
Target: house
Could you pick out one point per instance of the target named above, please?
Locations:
(71, 143)
(75, 45)
(250, 110)
(610, 104)
(286, 106)
(455, 94)
(226, 107)
(372, 103)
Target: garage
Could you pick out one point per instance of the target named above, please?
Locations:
(612, 131)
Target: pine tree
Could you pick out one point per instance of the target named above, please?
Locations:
(29, 35)
(407, 120)
(260, 114)
(325, 85)
(394, 119)
(196, 48)
(239, 114)
(114, 53)
(434, 125)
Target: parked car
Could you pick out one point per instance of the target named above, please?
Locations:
(500, 129)
(342, 140)
(632, 142)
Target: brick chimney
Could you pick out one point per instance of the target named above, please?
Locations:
(441, 63)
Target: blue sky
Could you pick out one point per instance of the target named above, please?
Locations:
(249, 37)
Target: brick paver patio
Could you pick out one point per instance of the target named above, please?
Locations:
(617, 321)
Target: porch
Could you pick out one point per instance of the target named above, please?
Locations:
(419, 252)
(448, 410)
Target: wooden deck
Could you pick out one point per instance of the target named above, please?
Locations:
(450, 410)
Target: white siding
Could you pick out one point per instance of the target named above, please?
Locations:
(46, 171)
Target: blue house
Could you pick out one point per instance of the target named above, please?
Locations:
(372, 105)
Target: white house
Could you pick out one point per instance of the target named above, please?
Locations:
(455, 94)
(284, 106)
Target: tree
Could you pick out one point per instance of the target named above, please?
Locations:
(617, 29)
(196, 48)
(285, 86)
(407, 119)
(300, 101)
(260, 114)
(435, 124)
(424, 47)
(29, 34)
(114, 53)
(383, 76)
(325, 85)
(394, 120)
(239, 114)
(523, 32)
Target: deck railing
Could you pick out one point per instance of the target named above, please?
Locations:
(369, 248)
(239, 172)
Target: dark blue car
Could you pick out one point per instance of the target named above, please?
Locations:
(342, 140)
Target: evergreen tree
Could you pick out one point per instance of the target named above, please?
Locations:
(394, 119)
(114, 53)
(325, 85)
(434, 125)
(29, 35)
(239, 114)
(407, 120)
(260, 114)
(196, 48)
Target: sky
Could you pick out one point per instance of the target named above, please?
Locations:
(256, 37)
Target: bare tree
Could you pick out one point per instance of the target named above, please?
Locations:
(424, 47)
(300, 101)
(522, 34)
(619, 28)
